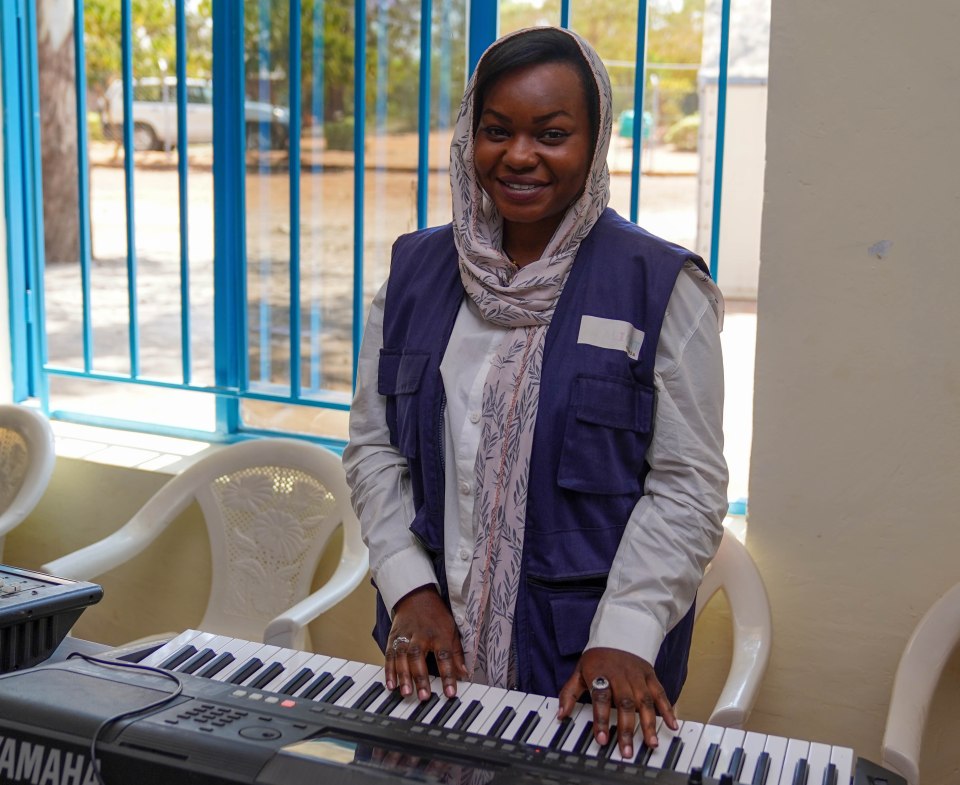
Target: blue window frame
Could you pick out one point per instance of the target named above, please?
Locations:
(259, 330)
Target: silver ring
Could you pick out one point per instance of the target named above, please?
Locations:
(398, 640)
(600, 683)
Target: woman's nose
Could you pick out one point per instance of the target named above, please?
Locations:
(520, 153)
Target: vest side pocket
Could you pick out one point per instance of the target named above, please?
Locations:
(566, 612)
(605, 438)
(398, 379)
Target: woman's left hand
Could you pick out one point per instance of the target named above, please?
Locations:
(633, 687)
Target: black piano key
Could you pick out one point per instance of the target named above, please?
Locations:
(370, 694)
(197, 661)
(611, 744)
(586, 736)
(336, 691)
(421, 711)
(316, 686)
(247, 670)
(390, 703)
(502, 721)
(830, 775)
(735, 769)
(526, 727)
(448, 708)
(673, 753)
(269, 674)
(710, 759)
(300, 678)
(761, 770)
(216, 665)
(643, 755)
(800, 773)
(468, 716)
(566, 725)
(179, 658)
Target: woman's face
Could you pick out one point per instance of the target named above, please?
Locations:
(532, 150)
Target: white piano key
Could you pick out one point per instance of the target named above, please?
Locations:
(709, 734)
(842, 758)
(776, 749)
(818, 759)
(467, 697)
(490, 699)
(362, 679)
(753, 746)
(796, 750)
(617, 756)
(690, 736)
(548, 723)
(172, 646)
(293, 665)
(730, 742)
(579, 721)
(665, 735)
(530, 703)
(241, 656)
(462, 687)
(348, 670)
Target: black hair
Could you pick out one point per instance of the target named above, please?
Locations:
(536, 47)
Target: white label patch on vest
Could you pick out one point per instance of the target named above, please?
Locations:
(611, 334)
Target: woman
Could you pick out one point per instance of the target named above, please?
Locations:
(535, 444)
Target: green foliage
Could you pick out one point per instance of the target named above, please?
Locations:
(684, 134)
(153, 37)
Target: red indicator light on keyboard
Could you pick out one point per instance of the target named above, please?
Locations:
(288, 703)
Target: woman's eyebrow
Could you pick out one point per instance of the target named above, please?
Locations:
(543, 118)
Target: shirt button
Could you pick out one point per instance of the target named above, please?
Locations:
(464, 487)
(464, 554)
(474, 417)
(458, 619)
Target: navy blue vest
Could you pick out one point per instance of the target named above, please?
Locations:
(594, 424)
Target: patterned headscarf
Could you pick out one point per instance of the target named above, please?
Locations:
(522, 300)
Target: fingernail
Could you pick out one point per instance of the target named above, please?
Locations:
(391, 685)
(423, 694)
(601, 738)
(449, 691)
(405, 690)
(628, 752)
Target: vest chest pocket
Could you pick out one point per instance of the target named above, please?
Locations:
(606, 434)
(398, 379)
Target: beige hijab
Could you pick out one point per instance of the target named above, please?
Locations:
(522, 300)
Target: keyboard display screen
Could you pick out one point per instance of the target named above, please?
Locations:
(417, 765)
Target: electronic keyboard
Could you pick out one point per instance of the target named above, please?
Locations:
(255, 713)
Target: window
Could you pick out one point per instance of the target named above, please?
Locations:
(218, 287)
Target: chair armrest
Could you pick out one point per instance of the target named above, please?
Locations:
(735, 572)
(930, 645)
(286, 629)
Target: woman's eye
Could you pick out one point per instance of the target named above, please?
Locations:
(554, 135)
(494, 132)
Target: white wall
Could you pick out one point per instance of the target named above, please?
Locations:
(856, 451)
(741, 202)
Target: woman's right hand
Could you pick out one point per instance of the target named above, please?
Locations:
(423, 624)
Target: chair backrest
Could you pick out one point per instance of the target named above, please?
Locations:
(734, 571)
(27, 458)
(270, 507)
(933, 640)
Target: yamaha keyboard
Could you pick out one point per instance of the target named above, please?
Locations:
(253, 713)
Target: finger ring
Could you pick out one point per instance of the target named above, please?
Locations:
(398, 640)
(600, 683)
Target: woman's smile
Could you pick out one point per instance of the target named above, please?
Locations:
(532, 152)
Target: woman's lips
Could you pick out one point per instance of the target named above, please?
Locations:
(521, 192)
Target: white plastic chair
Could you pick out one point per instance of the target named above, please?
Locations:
(27, 458)
(734, 571)
(270, 506)
(933, 640)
